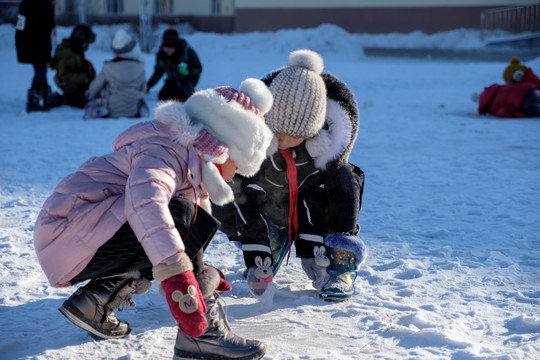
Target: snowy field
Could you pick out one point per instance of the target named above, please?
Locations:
(451, 211)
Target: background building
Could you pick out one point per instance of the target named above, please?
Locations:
(355, 16)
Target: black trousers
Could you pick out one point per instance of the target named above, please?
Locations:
(531, 103)
(124, 253)
(171, 92)
(39, 81)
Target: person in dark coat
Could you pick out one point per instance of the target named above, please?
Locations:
(74, 72)
(306, 192)
(35, 23)
(180, 63)
(519, 97)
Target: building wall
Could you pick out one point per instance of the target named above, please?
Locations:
(366, 20)
(192, 7)
(356, 16)
(275, 4)
(365, 16)
(131, 7)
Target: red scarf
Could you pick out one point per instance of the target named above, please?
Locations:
(293, 198)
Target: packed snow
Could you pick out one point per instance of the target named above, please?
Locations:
(450, 212)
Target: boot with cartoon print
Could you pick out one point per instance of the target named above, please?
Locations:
(259, 277)
(218, 342)
(315, 267)
(345, 254)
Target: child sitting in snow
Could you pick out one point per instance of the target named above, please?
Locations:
(142, 212)
(118, 90)
(306, 192)
(73, 71)
(519, 97)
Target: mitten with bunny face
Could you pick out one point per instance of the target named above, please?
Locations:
(183, 295)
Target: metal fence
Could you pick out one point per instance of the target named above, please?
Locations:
(514, 19)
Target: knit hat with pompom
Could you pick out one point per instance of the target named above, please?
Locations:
(299, 96)
(514, 72)
(236, 119)
(125, 46)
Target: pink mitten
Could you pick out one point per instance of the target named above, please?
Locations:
(186, 303)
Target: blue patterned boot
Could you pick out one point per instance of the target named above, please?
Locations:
(346, 253)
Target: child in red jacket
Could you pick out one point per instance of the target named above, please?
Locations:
(519, 97)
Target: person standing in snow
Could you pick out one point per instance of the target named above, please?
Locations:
(73, 71)
(118, 90)
(142, 212)
(35, 23)
(306, 193)
(518, 98)
(180, 63)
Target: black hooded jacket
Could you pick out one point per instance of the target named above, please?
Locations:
(323, 198)
(168, 65)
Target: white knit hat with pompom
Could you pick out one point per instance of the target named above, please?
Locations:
(126, 46)
(299, 96)
(236, 118)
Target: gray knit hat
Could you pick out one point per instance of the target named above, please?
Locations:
(299, 96)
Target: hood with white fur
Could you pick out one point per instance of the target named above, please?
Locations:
(185, 133)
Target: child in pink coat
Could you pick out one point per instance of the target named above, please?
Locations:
(143, 212)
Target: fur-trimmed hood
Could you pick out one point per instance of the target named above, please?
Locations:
(172, 122)
(336, 139)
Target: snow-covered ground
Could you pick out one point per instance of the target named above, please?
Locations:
(451, 211)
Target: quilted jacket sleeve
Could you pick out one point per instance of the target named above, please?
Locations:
(149, 189)
(344, 186)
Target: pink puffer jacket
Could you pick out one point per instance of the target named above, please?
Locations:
(151, 162)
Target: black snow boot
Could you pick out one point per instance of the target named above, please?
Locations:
(218, 342)
(51, 98)
(32, 101)
(92, 306)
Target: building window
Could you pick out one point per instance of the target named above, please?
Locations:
(115, 6)
(70, 7)
(163, 7)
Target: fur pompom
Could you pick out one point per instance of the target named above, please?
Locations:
(258, 93)
(350, 243)
(308, 59)
(219, 192)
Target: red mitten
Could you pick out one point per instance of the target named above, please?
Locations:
(223, 284)
(186, 303)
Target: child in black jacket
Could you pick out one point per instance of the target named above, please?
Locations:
(180, 63)
(306, 192)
